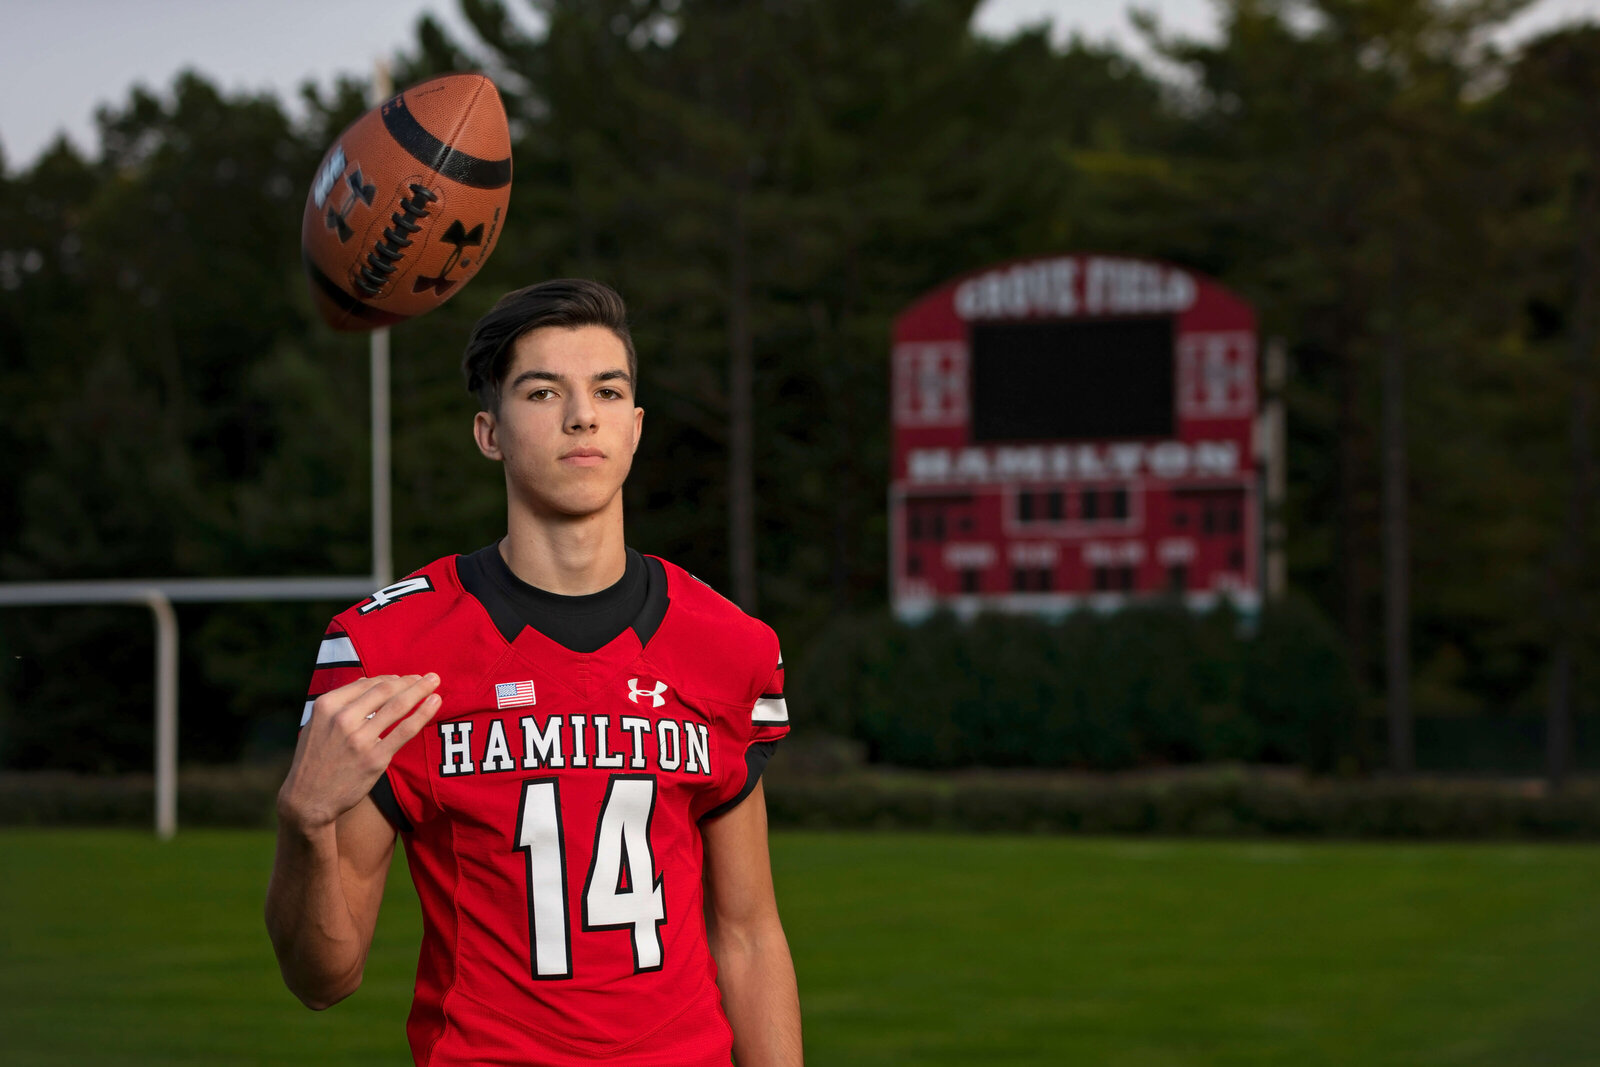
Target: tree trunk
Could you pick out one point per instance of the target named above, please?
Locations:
(1351, 545)
(1558, 716)
(1396, 554)
(1566, 573)
(741, 480)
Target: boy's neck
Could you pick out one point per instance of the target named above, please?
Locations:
(571, 558)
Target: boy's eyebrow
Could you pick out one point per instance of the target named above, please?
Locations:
(536, 376)
(561, 379)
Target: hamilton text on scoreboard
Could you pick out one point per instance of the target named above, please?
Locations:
(1074, 429)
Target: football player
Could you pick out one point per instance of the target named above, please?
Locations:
(568, 736)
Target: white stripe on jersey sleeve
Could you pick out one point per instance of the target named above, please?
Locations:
(336, 650)
(770, 711)
(305, 716)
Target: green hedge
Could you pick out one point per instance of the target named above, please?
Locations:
(1153, 685)
(221, 796)
(1209, 802)
(821, 791)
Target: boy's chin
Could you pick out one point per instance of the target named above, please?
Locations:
(572, 507)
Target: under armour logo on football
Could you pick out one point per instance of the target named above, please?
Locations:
(458, 235)
(656, 699)
(359, 191)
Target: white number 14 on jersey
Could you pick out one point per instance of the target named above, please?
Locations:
(610, 900)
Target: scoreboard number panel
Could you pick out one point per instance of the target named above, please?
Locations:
(931, 384)
(1217, 375)
(1074, 430)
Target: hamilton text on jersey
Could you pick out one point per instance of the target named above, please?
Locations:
(484, 746)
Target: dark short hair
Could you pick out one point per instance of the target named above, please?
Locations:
(564, 302)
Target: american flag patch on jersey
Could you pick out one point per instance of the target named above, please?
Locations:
(513, 694)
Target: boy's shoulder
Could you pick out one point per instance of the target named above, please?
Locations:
(704, 627)
(418, 600)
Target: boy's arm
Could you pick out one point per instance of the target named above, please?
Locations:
(754, 968)
(334, 845)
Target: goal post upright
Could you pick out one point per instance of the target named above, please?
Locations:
(166, 714)
(382, 509)
(378, 358)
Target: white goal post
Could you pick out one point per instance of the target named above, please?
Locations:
(159, 594)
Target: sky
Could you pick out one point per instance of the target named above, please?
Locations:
(60, 59)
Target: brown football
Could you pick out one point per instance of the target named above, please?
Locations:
(407, 203)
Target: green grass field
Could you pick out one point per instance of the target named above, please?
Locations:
(115, 949)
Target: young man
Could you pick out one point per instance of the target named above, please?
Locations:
(568, 736)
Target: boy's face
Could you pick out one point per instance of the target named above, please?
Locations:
(567, 426)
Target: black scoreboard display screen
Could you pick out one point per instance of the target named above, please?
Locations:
(1072, 379)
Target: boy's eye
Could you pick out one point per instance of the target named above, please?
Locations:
(541, 394)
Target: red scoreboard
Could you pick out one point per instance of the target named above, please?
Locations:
(1070, 431)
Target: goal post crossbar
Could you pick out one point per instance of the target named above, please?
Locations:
(186, 590)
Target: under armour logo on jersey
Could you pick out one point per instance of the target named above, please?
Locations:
(390, 593)
(656, 699)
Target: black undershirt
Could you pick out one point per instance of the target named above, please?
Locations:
(584, 623)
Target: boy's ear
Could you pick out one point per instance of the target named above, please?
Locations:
(486, 432)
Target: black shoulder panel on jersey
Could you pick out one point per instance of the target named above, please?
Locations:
(476, 579)
(755, 761)
(383, 795)
(648, 621)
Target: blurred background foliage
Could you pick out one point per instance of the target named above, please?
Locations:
(777, 179)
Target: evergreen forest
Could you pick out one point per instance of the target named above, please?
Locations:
(1412, 205)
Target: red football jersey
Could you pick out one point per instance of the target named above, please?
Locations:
(551, 816)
